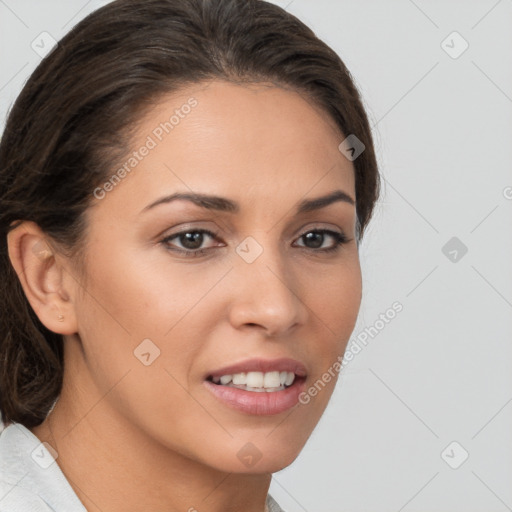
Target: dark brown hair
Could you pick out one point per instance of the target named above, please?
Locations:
(69, 125)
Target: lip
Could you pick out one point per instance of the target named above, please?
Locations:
(262, 365)
(259, 403)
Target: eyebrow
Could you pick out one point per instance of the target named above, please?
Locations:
(223, 204)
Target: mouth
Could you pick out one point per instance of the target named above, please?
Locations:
(259, 382)
(257, 386)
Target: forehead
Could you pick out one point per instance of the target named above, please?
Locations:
(252, 142)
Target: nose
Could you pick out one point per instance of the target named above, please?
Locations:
(266, 295)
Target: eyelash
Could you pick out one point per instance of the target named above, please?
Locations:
(340, 239)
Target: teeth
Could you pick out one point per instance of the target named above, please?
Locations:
(225, 379)
(240, 378)
(255, 380)
(271, 380)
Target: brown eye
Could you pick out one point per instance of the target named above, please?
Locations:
(315, 239)
(189, 242)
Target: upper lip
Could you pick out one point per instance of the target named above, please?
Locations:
(262, 365)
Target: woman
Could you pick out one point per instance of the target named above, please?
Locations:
(184, 186)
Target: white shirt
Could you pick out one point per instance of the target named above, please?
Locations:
(32, 481)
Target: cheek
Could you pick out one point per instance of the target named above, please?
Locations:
(335, 296)
(145, 294)
(132, 297)
(334, 306)
(333, 299)
(136, 336)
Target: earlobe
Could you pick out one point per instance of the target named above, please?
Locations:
(42, 276)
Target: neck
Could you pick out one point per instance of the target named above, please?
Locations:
(114, 466)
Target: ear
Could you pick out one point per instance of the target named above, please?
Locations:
(44, 277)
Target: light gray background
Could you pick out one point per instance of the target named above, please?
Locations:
(440, 371)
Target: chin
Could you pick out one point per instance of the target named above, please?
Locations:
(270, 463)
(261, 455)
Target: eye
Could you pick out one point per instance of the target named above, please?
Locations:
(315, 239)
(190, 241)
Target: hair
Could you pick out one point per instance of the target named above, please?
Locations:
(76, 114)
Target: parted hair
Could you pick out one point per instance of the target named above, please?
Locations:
(75, 117)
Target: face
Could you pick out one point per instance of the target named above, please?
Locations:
(254, 281)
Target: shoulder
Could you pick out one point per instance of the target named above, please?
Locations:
(12, 468)
(271, 504)
(15, 496)
(17, 499)
(30, 478)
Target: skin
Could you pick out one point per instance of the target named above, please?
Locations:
(156, 427)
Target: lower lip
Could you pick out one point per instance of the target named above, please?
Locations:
(258, 403)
